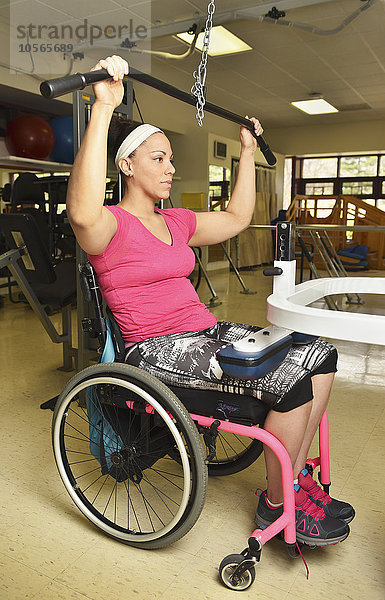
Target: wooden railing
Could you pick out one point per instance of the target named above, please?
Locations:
(346, 210)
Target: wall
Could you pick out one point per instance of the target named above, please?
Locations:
(361, 136)
(190, 155)
(233, 150)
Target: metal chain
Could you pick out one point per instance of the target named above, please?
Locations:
(198, 89)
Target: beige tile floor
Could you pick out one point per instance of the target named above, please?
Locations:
(48, 551)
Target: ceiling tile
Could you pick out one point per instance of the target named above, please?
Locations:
(166, 11)
(77, 9)
(223, 5)
(32, 12)
(368, 21)
(317, 12)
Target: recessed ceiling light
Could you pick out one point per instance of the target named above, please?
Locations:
(222, 41)
(317, 106)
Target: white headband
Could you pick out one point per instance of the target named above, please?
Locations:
(133, 140)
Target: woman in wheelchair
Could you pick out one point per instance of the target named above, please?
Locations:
(142, 257)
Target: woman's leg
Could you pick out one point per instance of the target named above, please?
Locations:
(296, 430)
(322, 385)
(290, 428)
(314, 525)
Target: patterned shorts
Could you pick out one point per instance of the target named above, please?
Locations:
(189, 360)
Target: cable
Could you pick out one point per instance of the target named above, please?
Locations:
(137, 105)
(316, 30)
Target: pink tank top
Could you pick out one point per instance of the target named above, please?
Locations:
(144, 280)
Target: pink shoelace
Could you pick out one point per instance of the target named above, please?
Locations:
(311, 509)
(318, 493)
(304, 561)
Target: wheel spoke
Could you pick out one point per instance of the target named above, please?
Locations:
(100, 489)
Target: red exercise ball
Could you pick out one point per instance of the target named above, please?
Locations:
(29, 136)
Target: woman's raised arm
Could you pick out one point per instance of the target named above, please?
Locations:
(94, 226)
(218, 226)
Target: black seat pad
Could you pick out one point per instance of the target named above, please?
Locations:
(222, 405)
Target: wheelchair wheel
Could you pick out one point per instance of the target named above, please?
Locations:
(234, 453)
(129, 455)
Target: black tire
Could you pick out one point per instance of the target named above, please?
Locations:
(227, 568)
(149, 497)
(234, 453)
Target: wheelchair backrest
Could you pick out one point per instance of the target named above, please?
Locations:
(97, 326)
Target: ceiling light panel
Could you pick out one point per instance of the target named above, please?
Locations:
(317, 106)
(222, 42)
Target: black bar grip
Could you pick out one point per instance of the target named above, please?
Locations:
(64, 85)
(52, 88)
(267, 153)
(272, 271)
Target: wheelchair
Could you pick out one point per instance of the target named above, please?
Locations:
(135, 455)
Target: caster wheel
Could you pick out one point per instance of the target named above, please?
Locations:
(227, 568)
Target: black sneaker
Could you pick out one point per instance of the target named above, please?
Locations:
(313, 527)
(333, 508)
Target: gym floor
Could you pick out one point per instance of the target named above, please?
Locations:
(48, 550)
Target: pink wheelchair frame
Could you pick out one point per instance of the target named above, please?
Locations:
(242, 573)
(286, 522)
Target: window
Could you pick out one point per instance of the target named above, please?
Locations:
(362, 176)
(318, 207)
(319, 189)
(216, 173)
(219, 178)
(357, 188)
(312, 168)
(358, 166)
(219, 194)
(287, 182)
(324, 208)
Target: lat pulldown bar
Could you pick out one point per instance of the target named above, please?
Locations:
(53, 88)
